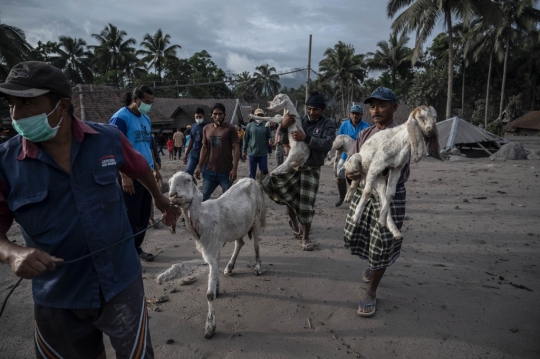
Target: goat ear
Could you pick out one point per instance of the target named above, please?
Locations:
(417, 143)
(432, 144)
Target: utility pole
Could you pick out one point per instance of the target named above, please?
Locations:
(308, 74)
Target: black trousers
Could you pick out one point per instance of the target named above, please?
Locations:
(138, 207)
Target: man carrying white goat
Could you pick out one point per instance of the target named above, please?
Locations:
(297, 188)
(366, 238)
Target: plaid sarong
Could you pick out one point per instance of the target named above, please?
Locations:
(366, 239)
(297, 189)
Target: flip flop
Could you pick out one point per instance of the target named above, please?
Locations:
(361, 305)
(309, 246)
(298, 234)
(365, 276)
(147, 257)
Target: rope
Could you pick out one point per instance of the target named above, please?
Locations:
(76, 260)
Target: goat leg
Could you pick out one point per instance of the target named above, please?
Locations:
(238, 244)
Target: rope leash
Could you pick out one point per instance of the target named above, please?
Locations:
(76, 260)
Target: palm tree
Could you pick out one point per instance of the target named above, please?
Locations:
(341, 65)
(392, 55)
(422, 16)
(265, 81)
(512, 18)
(243, 86)
(72, 58)
(113, 51)
(156, 51)
(13, 48)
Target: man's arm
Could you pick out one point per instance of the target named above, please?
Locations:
(188, 150)
(204, 154)
(236, 157)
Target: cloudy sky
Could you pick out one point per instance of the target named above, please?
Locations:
(239, 34)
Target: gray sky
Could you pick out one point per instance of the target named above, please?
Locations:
(238, 34)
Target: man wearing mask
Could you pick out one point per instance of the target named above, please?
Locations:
(351, 127)
(136, 126)
(193, 151)
(58, 180)
(256, 139)
(220, 152)
(297, 189)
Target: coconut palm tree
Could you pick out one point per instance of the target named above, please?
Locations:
(512, 18)
(392, 56)
(341, 65)
(243, 86)
(422, 16)
(156, 51)
(13, 48)
(265, 81)
(72, 58)
(113, 51)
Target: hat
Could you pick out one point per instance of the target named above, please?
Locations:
(316, 100)
(382, 93)
(35, 78)
(357, 108)
(259, 111)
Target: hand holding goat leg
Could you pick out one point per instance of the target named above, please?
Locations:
(392, 149)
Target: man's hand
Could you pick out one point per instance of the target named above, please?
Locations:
(298, 136)
(170, 212)
(30, 262)
(287, 121)
(244, 156)
(185, 159)
(159, 179)
(127, 185)
(354, 176)
(197, 172)
(232, 176)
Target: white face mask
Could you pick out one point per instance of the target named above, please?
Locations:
(258, 121)
(199, 120)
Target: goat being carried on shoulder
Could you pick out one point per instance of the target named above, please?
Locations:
(385, 154)
(299, 152)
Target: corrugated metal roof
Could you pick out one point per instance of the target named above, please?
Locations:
(530, 120)
(456, 131)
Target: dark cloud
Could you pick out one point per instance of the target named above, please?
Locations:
(238, 34)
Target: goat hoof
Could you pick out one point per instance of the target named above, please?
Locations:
(209, 332)
(355, 218)
(228, 271)
(258, 270)
(398, 237)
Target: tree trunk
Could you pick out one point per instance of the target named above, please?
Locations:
(487, 90)
(533, 96)
(463, 89)
(342, 97)
(501, 105)
(450, 64)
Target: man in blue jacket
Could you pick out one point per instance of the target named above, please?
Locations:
(351, 127)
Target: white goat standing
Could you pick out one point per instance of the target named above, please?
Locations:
(240, 210)
(342, 144)
(299, 152)
(391, 149)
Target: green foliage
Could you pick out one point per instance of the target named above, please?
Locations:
(429, 88)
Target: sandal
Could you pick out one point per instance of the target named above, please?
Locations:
(147, 257)
(361, 305)
(298, 234)
(309, 246)
(366, 275)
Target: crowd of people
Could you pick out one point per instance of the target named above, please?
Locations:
(101, 182)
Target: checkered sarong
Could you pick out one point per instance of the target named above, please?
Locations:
(297, 189)
(366, 239)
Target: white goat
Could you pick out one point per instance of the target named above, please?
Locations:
(391, 149)
(239, 211)
(342, 144)
(299, 152)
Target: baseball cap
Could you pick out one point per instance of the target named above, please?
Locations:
(259, 111)
(382, 93)
(357, 108)
(35, 78)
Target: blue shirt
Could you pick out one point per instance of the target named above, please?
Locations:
(347, 128)
(71, 215)
(196, 134)
(137, 129)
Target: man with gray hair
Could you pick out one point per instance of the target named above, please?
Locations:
(366, 238)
